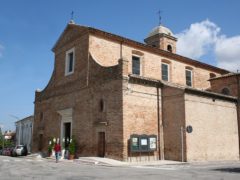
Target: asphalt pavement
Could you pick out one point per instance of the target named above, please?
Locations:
(14, 168)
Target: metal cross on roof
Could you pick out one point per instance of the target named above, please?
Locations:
(159, 17)
(72, 13)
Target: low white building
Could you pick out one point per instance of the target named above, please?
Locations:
(24, 129)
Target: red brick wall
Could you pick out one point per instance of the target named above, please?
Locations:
(227, 82)
(173, 120)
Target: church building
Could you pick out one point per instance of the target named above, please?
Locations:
(133, 101)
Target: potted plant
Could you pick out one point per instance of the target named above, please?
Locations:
(72, 148)
(50, 147)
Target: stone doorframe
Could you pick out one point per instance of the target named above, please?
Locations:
(66, 117)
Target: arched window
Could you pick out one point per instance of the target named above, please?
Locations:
(169, 48)
(225, 91)
(136, 65)
(166, 70)
(189, 76)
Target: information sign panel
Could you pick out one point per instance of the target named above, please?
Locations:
(134, 143)
(152, 143)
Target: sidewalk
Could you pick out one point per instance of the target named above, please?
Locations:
(106, 161)
(112, 162)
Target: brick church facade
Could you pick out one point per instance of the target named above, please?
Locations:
(106, 88)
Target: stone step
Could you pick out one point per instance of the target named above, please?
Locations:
(90, 162)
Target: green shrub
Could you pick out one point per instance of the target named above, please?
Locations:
(72, 146)
(50, 146)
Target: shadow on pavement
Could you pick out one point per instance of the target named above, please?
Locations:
(230, 170)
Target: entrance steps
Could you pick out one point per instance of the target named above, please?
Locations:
(112, 162)
(100, 161)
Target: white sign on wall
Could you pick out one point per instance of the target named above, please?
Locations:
(153, 143)
(144, 142)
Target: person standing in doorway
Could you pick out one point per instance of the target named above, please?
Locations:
(57, 149)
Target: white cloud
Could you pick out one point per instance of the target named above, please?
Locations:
(198, 39)
(227, 51)
(204, 37)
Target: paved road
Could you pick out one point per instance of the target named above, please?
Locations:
(35, 169)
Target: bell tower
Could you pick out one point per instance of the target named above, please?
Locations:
(162, 38)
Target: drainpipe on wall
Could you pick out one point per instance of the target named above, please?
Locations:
(238, 109)
(182, 145)
(160, 125)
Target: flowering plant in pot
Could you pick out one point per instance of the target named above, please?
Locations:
(72, 148)
(50, 147)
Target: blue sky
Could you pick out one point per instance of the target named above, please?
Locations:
(29, 29)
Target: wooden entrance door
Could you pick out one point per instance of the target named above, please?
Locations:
(67, 133)
(40, 142)
(101, 144)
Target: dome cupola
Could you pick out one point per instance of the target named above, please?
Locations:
(160, 30)
(162, 38)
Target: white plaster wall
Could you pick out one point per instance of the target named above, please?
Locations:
(215, 129)
(24, 132)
